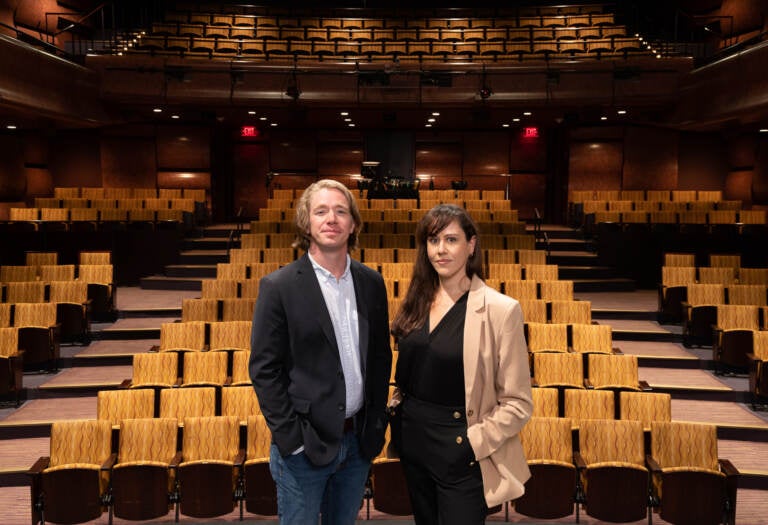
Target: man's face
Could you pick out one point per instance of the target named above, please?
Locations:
(330, 221)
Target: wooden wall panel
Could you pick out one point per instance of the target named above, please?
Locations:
(527, 192)
(39, 183)
(650, 159)
(741, 151)
(183, 148)
(702, 162)
(760, 177)
(738, 186)
(127, 162)
(75, 158)
(339, 159)
(293, 151)
(438, 161)
(250, 165)
(527, 153)
(12, 180)
(595, 165)
(485, 153)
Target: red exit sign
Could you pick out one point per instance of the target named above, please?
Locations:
(249, 131)
(530, 133)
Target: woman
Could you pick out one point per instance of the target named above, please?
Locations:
(463, 383)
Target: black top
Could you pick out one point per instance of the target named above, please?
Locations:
(430, 366)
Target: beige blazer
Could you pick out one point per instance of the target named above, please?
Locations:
(498, 390)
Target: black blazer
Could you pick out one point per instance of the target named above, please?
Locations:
(296, 369)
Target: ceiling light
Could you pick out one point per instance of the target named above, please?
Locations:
(763, 130)
(622, 112)
(527, 113)
(505, 125)
(351, 124)
(435, 113)
(427, 125)
(430, 120)
(516, 119)
(251, 112)
(262, 118)
(157, 110)
(11, 126)
(174, 116)
(344, 113)
(603, 118)
(273, 124)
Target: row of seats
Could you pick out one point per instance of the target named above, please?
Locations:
(714, 259)
(500, 222)
(136, 478)
(443, 195)
(100, 215)
(679, 217)
(90, 193)
(654, 205)
(552, 20)
(154, 203)
(422, 203)
(213, 310)
(168, 369)
(415, 50)
(89, 273)
(617, 475)
(581, 196)
(725, 275)
(381, 34)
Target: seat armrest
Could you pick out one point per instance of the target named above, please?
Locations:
(39, 466)
(644, 386)
(617, 351)
(239, 458)
(178, 382)
(578, 460)
(653, 465)
(154, 348)
(109, 462)
(126, 383)
(534, 382)
(727, 468)
(176, 460)
(588, 384)
(228, 381)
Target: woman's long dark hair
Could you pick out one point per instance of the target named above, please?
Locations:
(424, 281)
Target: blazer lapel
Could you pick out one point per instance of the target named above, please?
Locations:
(311, 294)
(362, 314)
(473, 330)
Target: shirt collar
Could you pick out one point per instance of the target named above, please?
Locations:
(328, 275)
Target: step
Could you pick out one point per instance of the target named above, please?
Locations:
(586, 272)
(201, 271)
(162, 282)
(565, 245)
(206, 243)
(116, 334)
(203, 257)
(616, 284)
(573, 258)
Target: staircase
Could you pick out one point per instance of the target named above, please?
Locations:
(578, 261)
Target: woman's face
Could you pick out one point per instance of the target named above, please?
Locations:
(449, 250)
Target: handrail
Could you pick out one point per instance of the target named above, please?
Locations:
(236, 232)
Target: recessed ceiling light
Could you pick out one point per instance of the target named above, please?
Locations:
(505, 125)
(427, 125)
(262, 118)
(174, 116)
(344, 113)
(435, 113)
(622, 112)
(430, 120)
(351, 124)
(763, 130)
(516, 119)
(157, 110)
(251, 112)
(11, 126)
(527, 113)
(273, 124)
(347, 119)
(603, 118)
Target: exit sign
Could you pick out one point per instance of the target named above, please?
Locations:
(531, 133)
(248, 131)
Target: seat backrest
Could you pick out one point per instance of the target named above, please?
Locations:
(645, 407)
(547, 438)
(5, 315)
(541, 272)
(187, 402)
(680, 259)
(738, 317)
(571, 312)
(34, 314)
(240, 401)
(80, 441)
(534, 310)
(613, 371)
(205, 368)
(259, 270)
(235, 309)
(9, 341)
(68, 292)
(249, 288)
(116, 405)
(748, 294)
(25, 292)
(240, 373)
(722, 260)
(259, 438)
(753, 276)
(155, 369)
(556, 290)
(611, 440)
(219, 288)
(95, 273)
(395, 270)
(588, 404)
(41, 258)
(253, 240)
(182, 336)
(678, 275)
(545, 402)
(231, 335)
(206, 310)
(522, 290)
(527, 257)
(558, 369)
(148, 439)
(213, 438)
(717, 275)
(684, 444)
(57, 272)
(760, 344)
(705, 294)
(545, 337)
(235, 271)
(592, 338)
(89, 258)
(506, 272)
(16, 274)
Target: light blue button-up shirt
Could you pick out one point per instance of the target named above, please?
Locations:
(339, 295)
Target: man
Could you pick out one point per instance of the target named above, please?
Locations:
(320, 363)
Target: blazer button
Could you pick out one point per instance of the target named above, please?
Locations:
(459, 440)
(470, 413)
(456, 415)
(340, 407)
(471, 463)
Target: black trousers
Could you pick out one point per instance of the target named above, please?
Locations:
(444, 480)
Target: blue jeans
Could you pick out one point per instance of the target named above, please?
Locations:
(305, 491)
